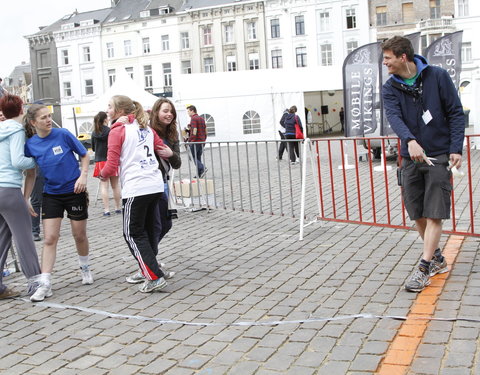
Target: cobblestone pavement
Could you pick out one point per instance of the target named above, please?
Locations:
(248, 298)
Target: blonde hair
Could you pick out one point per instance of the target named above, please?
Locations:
(123, 105)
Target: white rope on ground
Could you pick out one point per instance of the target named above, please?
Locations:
(235, 324)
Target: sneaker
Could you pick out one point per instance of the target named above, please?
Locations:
(106, 214)
(119, 211)
(9, 293)
(87, 278)
(437, 266)
(43, 291)
(167, 274)
(136, 278)
(36, 237)
(418, 281)
(150, 286)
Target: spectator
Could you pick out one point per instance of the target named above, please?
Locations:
(198, 133)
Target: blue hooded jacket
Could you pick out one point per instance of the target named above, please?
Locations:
(436, 93)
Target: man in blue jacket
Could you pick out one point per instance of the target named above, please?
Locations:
(424, 110)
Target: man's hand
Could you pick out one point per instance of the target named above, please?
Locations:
(417, 154)
(455, 160)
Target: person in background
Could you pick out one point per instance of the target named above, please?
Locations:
(281, 131)
(100, 146)
(132, 145)
(290, 120)
(198, 133)
(36, 199)
(2, 117)
(424, 110)
(15, 209)
(163, 120)
(65, 189)
(341, 114)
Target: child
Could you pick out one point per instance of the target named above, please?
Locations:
(99, 145)
(131, 145)
(65, 189)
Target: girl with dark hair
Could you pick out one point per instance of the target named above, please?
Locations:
(15, 209)
(100, 146)
(131, 146)
(65, 189)
(163, 119)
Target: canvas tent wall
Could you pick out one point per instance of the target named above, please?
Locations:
(229, 96)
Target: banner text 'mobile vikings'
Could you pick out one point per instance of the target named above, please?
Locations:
(446, 53)
(360, 89)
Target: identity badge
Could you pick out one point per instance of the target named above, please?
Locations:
(57, 150)
(427, 117)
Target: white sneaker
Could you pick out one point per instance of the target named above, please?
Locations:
(136, 278)
(44, 290)
(87, 278)
(150, 286)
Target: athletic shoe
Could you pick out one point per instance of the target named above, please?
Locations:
(138, 278)
(87, 278)
(106, 214)
(437, 266)
(44, 290)
(9, 293)
(119, 211)
(150, 286)
(36, 237)
(418, 281)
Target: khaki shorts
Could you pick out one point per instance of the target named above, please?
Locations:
(427, 189)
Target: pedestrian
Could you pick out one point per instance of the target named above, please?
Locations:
(341, 114)
(15, 209)
(2, 117)
(131, 147)
(36, 199)
(424, 110)
(290, 133)
(197, 135)
(100, 146)
(163, 120)
(281, 131)
(65, 189)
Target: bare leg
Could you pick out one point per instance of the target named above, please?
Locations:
(116, 192)
(430, 230)
(79, 232)
(51, 231)
(105, 198)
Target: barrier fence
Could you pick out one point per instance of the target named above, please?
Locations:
(337, 179)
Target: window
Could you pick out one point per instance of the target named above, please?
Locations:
(129, 71)
(65, 56)
(253, 61)
(408, 14)
(127, 44)
(352, 46)
(165, 43)
(382, 15)
(301, 54)
(210, 123)
(463, 8)
(275, 28)
(231, 63)
(167, 74)
(185, 40)
(208, 65)
(351, 19)
(111, 76)
(466, 52)
(110, 52)
(67, 89)
(277, 61)
(251, 123)
(434, 8)
(147, 73)
(207, 35)
(252, 30)
(228, 33)
(186, 67)
(86, 54)
(146, 45)
(324, 21)
(88, 86)
(299, 25)
(326, 54)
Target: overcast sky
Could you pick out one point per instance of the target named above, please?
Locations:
(23, 17)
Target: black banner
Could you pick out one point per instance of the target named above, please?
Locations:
(446, 53)
(361, 91)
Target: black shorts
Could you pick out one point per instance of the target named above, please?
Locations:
(76, 205)
(427, 189)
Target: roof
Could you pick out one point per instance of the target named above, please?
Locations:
(20, 75)
(200, 4)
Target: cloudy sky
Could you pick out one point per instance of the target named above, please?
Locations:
(23, 17)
